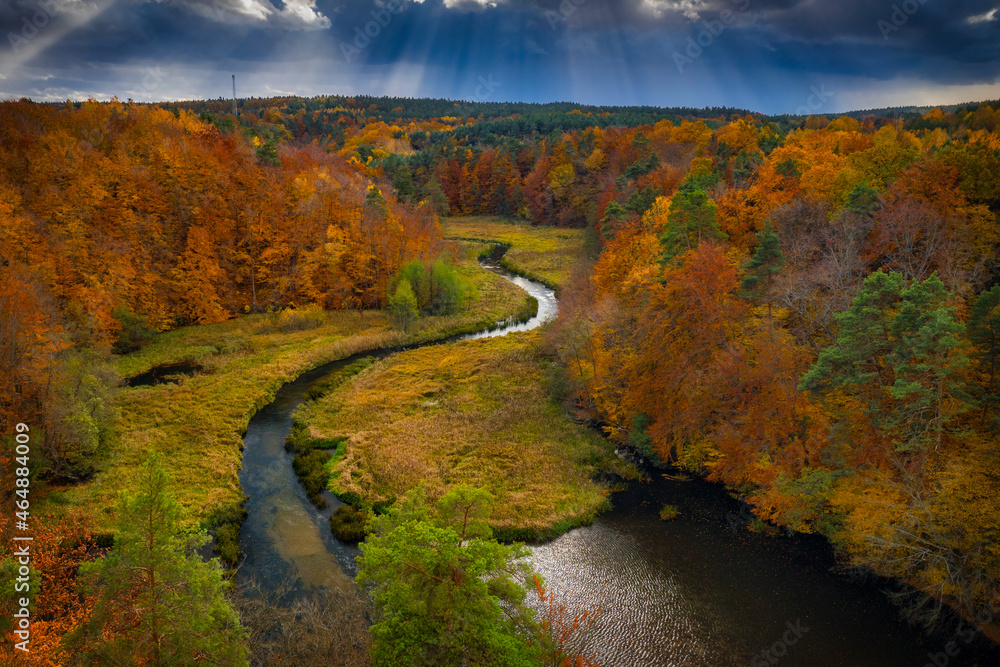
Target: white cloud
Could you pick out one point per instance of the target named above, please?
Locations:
(983, 18)
(451, 4)
(469, 4)
(294, 15)
(689, 8)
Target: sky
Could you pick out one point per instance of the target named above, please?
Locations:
(772, 56)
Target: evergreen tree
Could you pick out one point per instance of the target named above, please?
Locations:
(641, 200)
(863, 199)
(767, 262)
(690, 220)
(899, 351)
(446, 592)
(436, 197)
(745, 166)
(984, 332)
(158, 602)
(613, 214)
(402, 183)
(267, 153)
(376, 201)
(927, 365)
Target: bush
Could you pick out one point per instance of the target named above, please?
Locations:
(447, 290)
(348, 524)
(225, 525)
(640, 440)
(134, 333)
(300, 320)
(438, 290)
(403, 305)
(80, 421)
(415, 272)
(668, 512)
(311, 469)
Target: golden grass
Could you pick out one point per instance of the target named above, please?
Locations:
(545, 254)
(198, 424)
(476, 413)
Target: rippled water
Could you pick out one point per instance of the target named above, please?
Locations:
(703, 591)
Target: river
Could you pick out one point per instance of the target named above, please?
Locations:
(698, 591)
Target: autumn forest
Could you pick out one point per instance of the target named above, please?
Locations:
(802, 310)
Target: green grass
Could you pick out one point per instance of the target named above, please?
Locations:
(544, 254)
(197, 425)
(476, 413)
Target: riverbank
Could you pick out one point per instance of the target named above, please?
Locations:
(476, 413)
(197, 422)
(544, 254)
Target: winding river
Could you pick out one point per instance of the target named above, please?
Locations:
(698, 591)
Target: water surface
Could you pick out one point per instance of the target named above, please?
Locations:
(698, 591)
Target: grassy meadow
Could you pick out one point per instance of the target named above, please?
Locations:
(474, 412)
(544, 254)
(197, 424)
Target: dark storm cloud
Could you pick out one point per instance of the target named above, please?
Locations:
(614, 51)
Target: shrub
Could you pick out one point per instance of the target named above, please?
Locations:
(311, 469)
(225, 525)
(447, 290)
(348, 524)
(300, 320)
(415, 272)
(134, 333)
(668, 512)
(403, 305)
(640, 440)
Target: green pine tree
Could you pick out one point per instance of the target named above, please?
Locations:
(899, 350)
(984, 332)
(446, 592)
(402, 183)
(690, 220)
(863, 199)
(927, 364)
(766, 263)
(375, 201)
(158, 602)
(436, 197)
